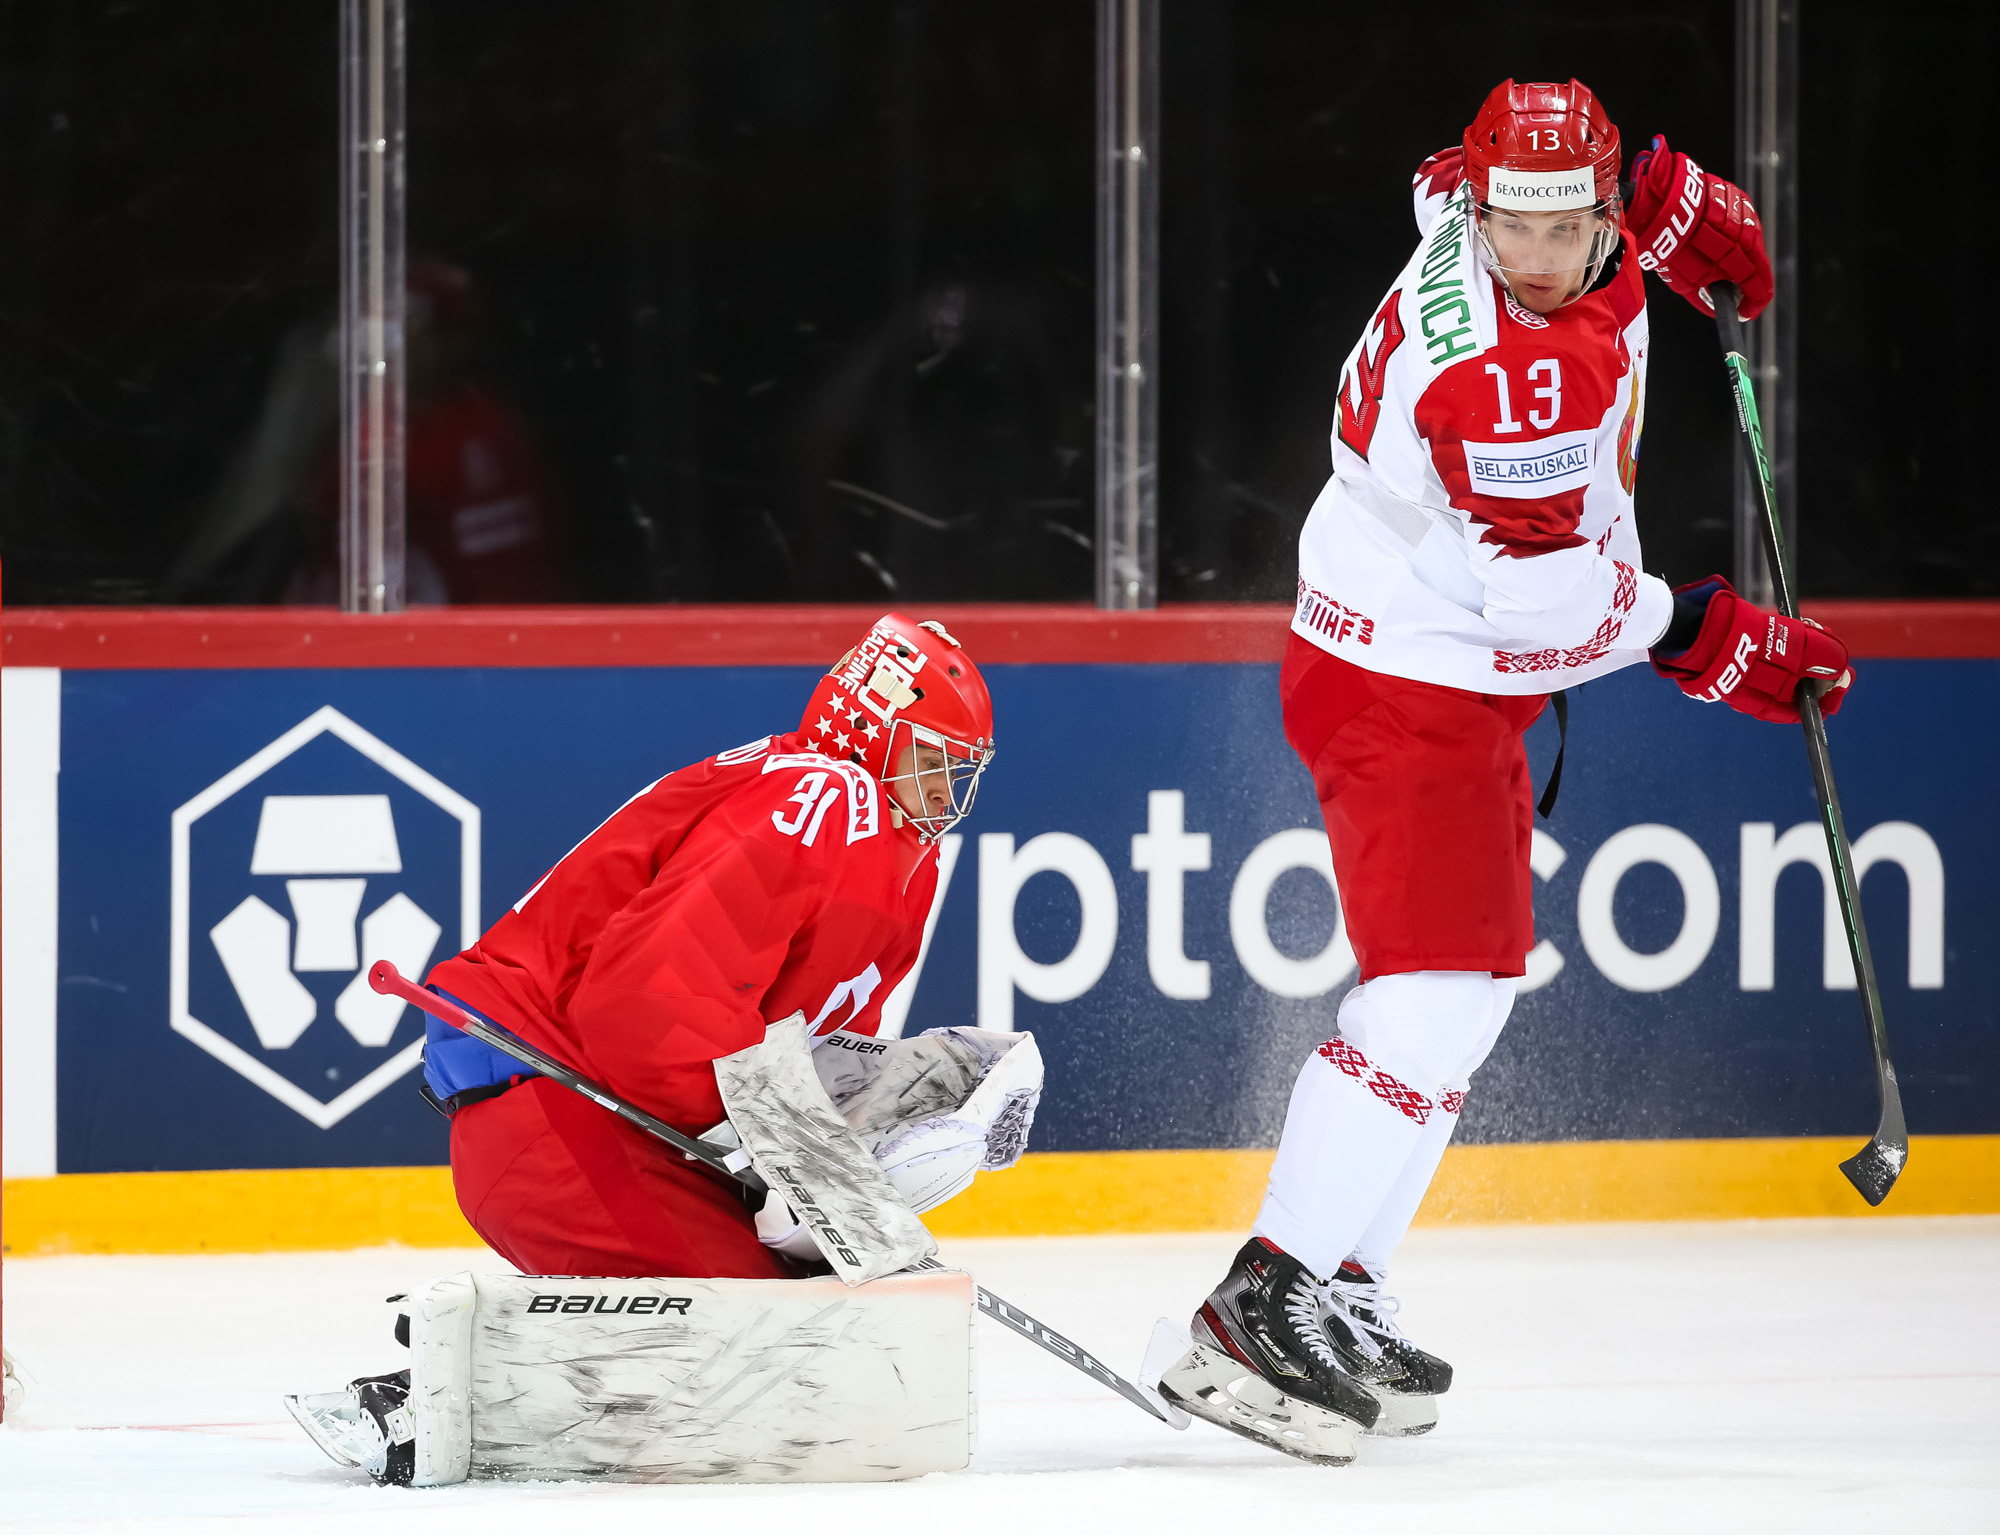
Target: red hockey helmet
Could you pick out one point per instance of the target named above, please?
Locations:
(1542, 161)
(907, 685)
(1541, 148)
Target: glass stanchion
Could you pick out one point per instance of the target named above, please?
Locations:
(1128, 303)
(371, 305)
(1767, 121)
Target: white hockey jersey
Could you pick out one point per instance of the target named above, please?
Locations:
(1477, 531)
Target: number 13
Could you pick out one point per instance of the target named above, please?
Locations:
(1552, 391)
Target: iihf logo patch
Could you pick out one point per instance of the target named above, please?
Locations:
(293, 872)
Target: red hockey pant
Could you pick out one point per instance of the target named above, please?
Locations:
(557, 1185)
(1428, 808)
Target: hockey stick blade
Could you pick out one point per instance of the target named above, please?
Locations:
(1874, 1169)
(386, 979)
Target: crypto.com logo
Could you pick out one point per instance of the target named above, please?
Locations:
(327, 847)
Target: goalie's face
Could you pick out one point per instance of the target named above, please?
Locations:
(1547, 259)
(921, 784)
(933, 777)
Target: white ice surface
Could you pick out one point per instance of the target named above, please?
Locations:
(1813, 1376)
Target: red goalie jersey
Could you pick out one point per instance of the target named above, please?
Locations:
(793, 874)
(766, 880)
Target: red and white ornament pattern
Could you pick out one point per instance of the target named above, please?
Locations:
(1623, 598)
(1399, 1095)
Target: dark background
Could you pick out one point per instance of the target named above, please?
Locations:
(741, 264)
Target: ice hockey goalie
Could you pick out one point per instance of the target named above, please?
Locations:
(786, 879)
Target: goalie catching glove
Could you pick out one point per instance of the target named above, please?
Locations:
(934, 1110)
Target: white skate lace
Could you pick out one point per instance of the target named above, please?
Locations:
(1303, 1305)
(1370, 1313)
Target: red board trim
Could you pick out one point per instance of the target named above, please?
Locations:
(1000, 633)
(98, 638)
(1955, 629)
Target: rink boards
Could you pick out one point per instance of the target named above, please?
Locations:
(232, 841)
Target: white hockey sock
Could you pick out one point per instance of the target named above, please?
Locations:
(1368, 1121)
(1377, 1245)
(1348, 1132)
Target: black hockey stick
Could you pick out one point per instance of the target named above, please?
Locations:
(385, 978)
(1875, 1167)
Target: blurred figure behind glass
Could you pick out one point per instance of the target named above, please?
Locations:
(484, 520)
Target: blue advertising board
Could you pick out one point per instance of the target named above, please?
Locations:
(235, 845)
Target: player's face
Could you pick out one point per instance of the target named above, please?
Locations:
(1543, 257)
(920, 783)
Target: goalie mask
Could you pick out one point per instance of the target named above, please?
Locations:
(1542, 162)
(908, 705)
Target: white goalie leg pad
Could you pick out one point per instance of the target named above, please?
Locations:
(517, 1378)
(440, 1400)
(809, 1155)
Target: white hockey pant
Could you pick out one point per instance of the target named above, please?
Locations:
(1372, 1112)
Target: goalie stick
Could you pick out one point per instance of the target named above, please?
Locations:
(385, 978)
(1875, 1167)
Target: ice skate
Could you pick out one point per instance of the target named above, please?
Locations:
(1360, 1324)
(1260, 1363)
(366, 1426)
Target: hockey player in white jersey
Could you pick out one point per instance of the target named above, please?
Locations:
(1474, 551)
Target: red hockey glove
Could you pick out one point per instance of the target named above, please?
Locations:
(1440, 175)
(1695, 229)
(1752, 660)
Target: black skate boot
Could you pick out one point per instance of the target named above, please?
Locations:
(1360, 1324)
(1260, 1364)
(368, 1425)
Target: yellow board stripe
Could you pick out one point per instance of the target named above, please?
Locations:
(275, 1210)
(1101, 1191)
(1049, 1194)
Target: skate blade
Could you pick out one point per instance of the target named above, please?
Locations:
(1213, 1386)
(345, 1441)
(1403, 1416)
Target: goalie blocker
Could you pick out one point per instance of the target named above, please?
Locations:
(666, 1380)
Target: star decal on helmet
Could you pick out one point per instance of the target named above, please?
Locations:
(896, 688)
